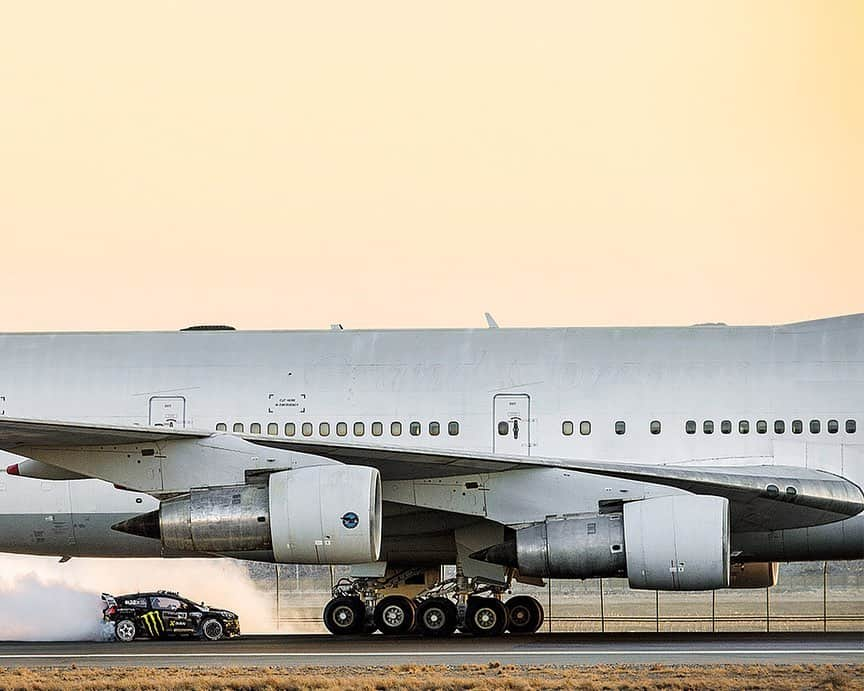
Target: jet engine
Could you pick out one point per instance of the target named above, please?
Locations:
(678, 542)
(329, 514)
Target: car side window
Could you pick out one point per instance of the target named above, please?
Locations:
(168, 603)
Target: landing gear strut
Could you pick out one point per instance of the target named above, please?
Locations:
(462, 603)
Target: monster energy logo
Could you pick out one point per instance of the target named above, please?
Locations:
(154, 624)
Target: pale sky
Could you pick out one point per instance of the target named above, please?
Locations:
(388, 164)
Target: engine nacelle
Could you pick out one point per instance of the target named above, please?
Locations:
(677, 543)
(572, 547)
(668, 543)
(328, 514)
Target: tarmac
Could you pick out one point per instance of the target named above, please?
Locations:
(541, 649)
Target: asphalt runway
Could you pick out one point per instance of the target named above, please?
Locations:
(541, 649)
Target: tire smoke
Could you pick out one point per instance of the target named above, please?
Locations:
(44, 600)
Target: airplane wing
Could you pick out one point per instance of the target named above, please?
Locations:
(762, 496)
(16, 432)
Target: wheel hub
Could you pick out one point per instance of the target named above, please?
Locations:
(344, 616)
(485, 618)
(434, 618)
(393, 616)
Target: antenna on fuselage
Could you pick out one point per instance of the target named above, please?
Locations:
(490, 321)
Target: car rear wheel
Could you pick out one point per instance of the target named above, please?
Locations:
(212, 630)
(125, 630)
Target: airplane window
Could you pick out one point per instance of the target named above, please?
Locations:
(359, 429)
(396, 428)
(272, 429)
(434, 428)
(453, 428)
(761, 427)
(585, 428)
(726, 427)
(324, 429)
(815, 426)
(306, 429)
(851, 427)
(238, 426)
(620, 427)
(567, 428)
(377, 429)
(341, 429)
(708, 427)
(833, 426)
(290, 429)
(255, 428)
(221, 427)
(744, 427)
(503, 428)
(414, 428)
(797, 426)
(690, 426)
(655, 427)
(779, 427)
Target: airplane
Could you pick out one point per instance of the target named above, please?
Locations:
(682, 458)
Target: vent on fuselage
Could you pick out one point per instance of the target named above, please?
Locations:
(209, 327)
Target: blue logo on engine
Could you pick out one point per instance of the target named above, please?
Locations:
(350, 520)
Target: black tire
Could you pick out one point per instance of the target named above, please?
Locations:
(394, 615)
(485, 616)
(436, 617)
(344, 615)
(524, 614)
(125, 630)
(212, 630)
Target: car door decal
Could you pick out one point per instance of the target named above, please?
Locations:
(153, 622)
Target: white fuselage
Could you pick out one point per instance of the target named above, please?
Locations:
(613, 394)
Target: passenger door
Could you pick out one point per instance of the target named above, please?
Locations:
(512, 424)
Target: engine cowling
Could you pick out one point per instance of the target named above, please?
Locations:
(678, 542)
(329, 514)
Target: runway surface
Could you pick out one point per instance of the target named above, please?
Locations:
(554, 649)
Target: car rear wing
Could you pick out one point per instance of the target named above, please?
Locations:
(109, 600)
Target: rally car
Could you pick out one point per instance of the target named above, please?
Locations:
(165, 614)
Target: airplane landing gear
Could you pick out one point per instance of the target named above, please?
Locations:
(457, 603)
(344, 615)
(395, 614)
(485, 616)
(524, 614)
(437, 617)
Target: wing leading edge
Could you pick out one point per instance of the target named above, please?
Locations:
(761, 496)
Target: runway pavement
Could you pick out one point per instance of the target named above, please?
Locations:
(556, 649)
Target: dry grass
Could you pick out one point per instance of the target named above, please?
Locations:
(427, 677)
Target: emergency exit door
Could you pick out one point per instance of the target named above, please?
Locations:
(512, 432)
(168, 411)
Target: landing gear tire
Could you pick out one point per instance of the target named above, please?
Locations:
(125, 630)
(485, 616)
(436, 617)
(395, 614)
(344, 615)
(212, 630)
(524, 614)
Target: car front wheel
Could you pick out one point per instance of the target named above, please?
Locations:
(212, 630)
(125, 630)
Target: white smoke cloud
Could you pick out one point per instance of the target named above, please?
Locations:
(42, 599)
